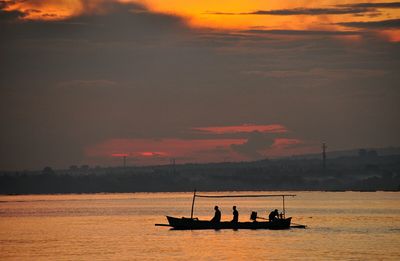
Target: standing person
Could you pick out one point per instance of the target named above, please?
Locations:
(235, 215)
(217, 215)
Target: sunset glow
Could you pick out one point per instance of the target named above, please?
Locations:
(184, 150)
(195, 150)
(47, 9)
(153, 154)
(120, 154)
(324, 15)
(284, 142)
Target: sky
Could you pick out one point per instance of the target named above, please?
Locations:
(89, 81)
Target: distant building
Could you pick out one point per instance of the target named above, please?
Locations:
(324, 147)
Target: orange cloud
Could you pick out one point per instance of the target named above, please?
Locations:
(285, 142)
(246, 128)
(391, 35)
(47, 9)
(157, 151)
(232, 14)
(120, 154)
(153, 151)
(153, 154)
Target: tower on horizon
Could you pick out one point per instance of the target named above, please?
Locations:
(324, 155)
(173, 164)
(124, 157)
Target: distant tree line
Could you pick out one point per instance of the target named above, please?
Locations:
(345, 173)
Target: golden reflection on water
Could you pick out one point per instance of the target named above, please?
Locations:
(347, 225)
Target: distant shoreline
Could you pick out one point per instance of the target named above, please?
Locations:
(208, 191)
(355, 173)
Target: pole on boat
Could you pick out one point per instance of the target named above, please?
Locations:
(283, 201)
(194, 196)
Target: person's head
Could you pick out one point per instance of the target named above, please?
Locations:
(276, 210)
(216, 207)
(234, 207)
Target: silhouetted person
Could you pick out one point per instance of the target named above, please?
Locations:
(217, 215)
(235, 215)
(273, 215)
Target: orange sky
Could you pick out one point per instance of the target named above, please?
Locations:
(203, 14)
(199, 13)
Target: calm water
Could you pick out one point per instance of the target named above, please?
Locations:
(346, 226)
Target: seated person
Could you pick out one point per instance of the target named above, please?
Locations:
(273, 215)
(217, 215)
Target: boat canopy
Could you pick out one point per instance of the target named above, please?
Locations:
(242, 196)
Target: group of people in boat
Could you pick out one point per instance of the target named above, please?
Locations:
(273, 215)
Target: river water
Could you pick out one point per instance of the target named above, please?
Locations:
(341, 226)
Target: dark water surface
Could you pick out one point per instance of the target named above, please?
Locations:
(341, 225)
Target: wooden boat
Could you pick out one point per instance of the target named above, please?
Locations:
(191, 223)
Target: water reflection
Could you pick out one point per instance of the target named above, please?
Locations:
(347, 225)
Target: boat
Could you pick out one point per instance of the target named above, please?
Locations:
(193, 223)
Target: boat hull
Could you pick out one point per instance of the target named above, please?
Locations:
(193, 224)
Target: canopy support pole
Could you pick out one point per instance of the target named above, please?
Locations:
(194, 196)
(284, 211)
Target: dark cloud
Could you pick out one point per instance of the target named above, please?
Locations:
(340, 10)
(355, 9)
(104, 18)
(9, 16)
(6, 3)
(389, 5)
(311, 11)
(384, 24)
(3, 4)
(301, 32)
(13, 15)
(255, 144)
